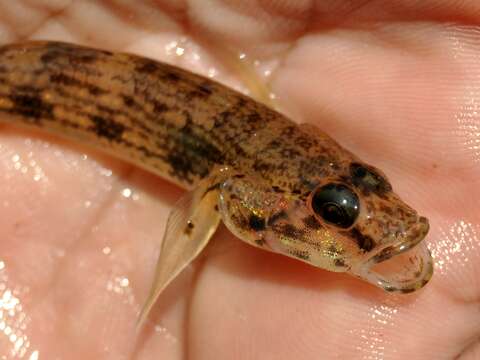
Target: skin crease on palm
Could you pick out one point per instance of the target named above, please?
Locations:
(397, 84)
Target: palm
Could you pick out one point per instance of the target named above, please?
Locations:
(80, 233)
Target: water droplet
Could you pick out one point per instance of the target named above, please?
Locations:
(170, 47)
(211, 72)
(126, 192)
(34, 355)
(124, 282)
(106, 172)
(179, 51)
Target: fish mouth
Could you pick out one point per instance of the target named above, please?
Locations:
(402, 267)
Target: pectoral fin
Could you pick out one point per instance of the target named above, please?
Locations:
(190, 225)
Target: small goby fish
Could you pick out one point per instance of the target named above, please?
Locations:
(279, 186)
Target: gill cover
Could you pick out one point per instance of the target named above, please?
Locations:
(336, 227)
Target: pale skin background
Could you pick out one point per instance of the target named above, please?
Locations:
(397, 84)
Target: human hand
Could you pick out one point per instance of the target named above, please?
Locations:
(395, 84)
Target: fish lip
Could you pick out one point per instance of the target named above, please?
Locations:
(407, 279)
(421, 276)
(401, 246)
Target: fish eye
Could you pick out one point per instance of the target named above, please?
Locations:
(336, 204)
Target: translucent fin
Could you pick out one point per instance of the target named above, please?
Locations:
(245, 68)
(190, 225)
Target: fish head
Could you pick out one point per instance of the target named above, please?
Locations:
(350, 221)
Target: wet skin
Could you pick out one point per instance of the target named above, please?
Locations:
(384, 102)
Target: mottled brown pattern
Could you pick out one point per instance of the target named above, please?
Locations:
(256, 223)
(311, 222)
(189, 228)
(181, 126)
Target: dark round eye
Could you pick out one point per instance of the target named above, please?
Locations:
(336, 204)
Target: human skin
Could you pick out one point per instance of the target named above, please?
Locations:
(80, 232)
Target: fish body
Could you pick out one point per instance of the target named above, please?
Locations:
(277, 185)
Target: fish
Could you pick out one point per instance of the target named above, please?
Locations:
(280, 186)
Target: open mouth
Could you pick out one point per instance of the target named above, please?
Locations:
(405, 267)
